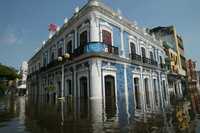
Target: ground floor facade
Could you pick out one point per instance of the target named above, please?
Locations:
(142, 89)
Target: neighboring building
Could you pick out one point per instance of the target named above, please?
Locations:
(21, 83)
(110, 57)
(193, 84)
(198, 81)
(176, 62)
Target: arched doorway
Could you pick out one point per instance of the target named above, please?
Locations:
(83, 87)
(110, 98)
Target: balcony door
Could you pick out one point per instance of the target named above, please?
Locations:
(143, 52)
(151, 56)
(107, 39)
(133, 49)
(83, 38)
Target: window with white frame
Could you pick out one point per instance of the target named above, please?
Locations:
(45, 58)
(83, 36)
(143, 52)
(68, 48)
(106, 33)
(106, 37)
(132, 48)
(60, 47)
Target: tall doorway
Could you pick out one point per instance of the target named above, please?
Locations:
(110, 98)
(83, 87)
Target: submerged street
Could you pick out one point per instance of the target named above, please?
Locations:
(20, 115)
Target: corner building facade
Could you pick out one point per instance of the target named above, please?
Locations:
(111, 59)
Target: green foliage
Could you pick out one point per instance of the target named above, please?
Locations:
(8, 72)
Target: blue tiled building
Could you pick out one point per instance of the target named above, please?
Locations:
(99, 54)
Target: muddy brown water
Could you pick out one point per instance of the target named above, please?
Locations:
(21, 115)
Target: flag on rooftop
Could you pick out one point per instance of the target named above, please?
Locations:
(52, 27)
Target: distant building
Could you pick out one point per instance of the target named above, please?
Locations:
(193, 84)
(100, 54)
(176, 61)
(21, 83)
(198, 81)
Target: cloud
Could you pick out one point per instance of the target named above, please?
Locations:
(10, 36)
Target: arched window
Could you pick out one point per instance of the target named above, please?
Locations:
(83, 38)
(133, 48)
(143, 52)
(83, 87)
(137, 93)
(146, 86)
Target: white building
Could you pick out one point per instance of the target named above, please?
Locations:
(21, 83)
(111, 58)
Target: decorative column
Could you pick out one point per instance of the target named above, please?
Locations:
(94, 28)
(75, 81)
(95, 79)
(75, 38)
(160, 90)
(126, 88)
(142, 91)
(122, 43)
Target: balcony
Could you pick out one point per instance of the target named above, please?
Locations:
(95, 47)
(135, 57)
(149, 61)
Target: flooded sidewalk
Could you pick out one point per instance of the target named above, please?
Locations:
(20, 115)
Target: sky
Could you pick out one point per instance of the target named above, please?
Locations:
(24, 23)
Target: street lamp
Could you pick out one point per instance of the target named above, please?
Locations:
(61, 59)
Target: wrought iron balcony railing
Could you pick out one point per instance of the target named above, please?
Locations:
(135, 56)
(95, 47)
(149, 61)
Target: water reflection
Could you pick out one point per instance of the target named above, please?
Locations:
(83, 115)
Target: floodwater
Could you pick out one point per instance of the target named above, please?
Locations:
(20, 115)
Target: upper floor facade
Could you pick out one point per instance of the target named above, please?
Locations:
(173, 45)
(96, 28)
